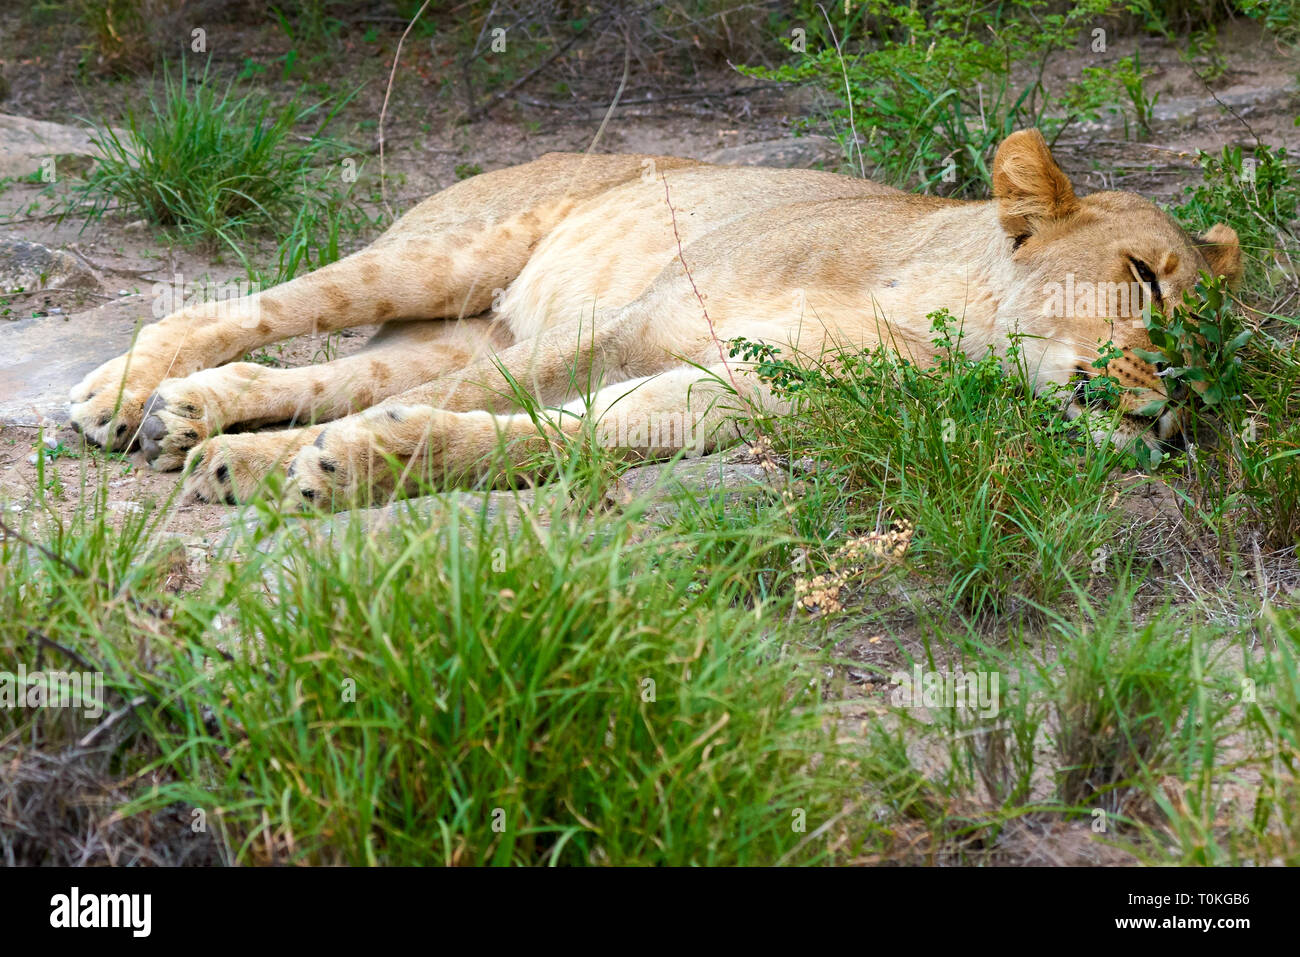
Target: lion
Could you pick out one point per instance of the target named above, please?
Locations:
(605, 289)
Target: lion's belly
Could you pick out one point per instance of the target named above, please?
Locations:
(589, 262)
(607, 251)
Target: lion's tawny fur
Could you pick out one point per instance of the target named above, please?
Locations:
(601, 284)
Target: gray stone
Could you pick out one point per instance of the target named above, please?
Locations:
(1191, 112)
(43, 358)
(656, 489)
(25, 142)
(27, 266)
(1180, 110)
(803, 152)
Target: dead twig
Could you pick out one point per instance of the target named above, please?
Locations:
(681, 256)
(89, 738)
(383, 110)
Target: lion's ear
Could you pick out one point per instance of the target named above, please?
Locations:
(1030, 188)
(1222, 251)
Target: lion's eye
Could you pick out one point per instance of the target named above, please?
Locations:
(1146, 276)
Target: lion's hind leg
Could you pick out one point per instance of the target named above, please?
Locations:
(395, 448)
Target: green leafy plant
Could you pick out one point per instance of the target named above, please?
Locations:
(927, 96)
(1203, 52)
(1280, 16)
(1256, 195)
(1133, 79)
(1201, 342)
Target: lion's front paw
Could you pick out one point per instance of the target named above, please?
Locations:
(108, 404)
(175, 421)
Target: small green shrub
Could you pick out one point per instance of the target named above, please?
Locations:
(1255, 195)
(1005, 495)
(1131, 705)
(214, 166)
(1200, 341)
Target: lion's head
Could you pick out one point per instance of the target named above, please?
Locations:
(1100, 260)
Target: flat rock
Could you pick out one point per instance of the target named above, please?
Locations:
(25, 142)
(42, 358)
(1182, 110)
(803, 152)
(28, 266)
(657, 488)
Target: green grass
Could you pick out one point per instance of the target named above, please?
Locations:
(458, 694)
(221, 168)
(518, 700)
(1005, 496)
(1124, 706)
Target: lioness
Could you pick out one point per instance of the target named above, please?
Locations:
(609, 286)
